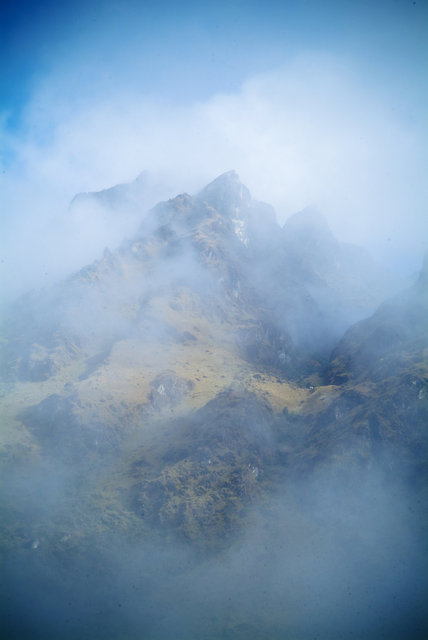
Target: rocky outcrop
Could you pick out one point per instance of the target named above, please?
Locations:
(209, 473)
(168, 390)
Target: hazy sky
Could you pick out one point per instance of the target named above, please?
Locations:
(310, 102)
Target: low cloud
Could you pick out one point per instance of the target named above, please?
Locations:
(312, 132)
(320, 559)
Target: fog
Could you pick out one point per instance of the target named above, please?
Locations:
(124, 521)
(319, 559)
(214, 390)
(312, 131)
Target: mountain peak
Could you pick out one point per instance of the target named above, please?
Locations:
(226, 193)
(309, 216)
(309, 224)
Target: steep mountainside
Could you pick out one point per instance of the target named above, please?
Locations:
(381, 365)
(210, 297)
(181, 388)
(345, 282)
(392, 339)
(122, 199)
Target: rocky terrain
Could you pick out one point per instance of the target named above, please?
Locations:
(215, 371)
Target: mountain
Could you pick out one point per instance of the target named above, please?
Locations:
(336, 274)
(122, 199)
(381, 368)
(216, 381)
(394, 338)
(100, 219)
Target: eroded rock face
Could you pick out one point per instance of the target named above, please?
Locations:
(227, 193)
(168, 390)
(205, 479)
(266, 345)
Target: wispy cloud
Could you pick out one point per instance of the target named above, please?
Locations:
(313, 131)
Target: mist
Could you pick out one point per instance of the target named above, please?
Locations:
(213, 380)
(313, 131)
(319, 559)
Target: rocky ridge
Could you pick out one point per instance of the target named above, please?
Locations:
(194, 360)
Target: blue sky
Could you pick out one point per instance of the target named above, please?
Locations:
(311, 102)
(188, 50)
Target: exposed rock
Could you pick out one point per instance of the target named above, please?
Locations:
(210, 293)
(168, 390)
(211, 472)
(227, 194)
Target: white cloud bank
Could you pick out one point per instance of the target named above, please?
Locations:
(313, 132)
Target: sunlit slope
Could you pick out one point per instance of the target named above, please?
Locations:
(188, 369)
(99, 369)
(165, 323)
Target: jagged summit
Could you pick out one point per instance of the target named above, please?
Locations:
(308, 285)
(309, 225)
(181, 388)
(136, 197)
(226, 193)
(114, 197)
